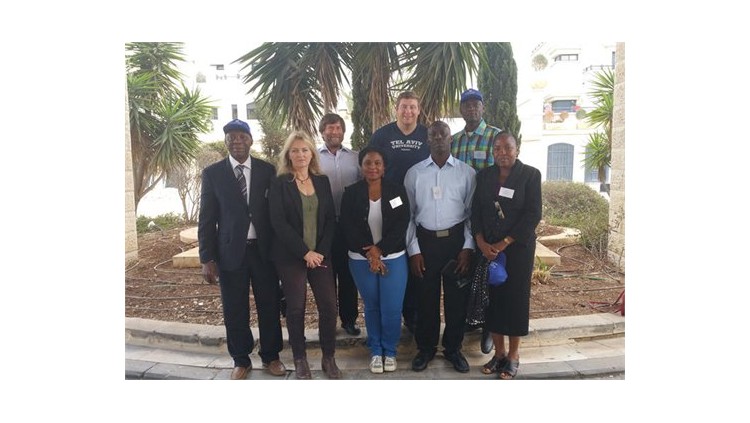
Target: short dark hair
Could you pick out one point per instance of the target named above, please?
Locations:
(506, 133)
(407, 95)
(371, 149)
(330, 119)
(439, 125)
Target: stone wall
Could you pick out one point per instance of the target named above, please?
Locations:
(616, 247)
(131, 235)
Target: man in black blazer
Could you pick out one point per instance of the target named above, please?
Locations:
(234, 236)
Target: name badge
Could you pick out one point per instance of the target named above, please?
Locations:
(506, 192)
(396, 202)
(437, 193)
(480, 155)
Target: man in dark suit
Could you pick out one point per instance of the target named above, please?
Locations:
(234, 235)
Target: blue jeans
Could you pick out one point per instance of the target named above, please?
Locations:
(383, 296)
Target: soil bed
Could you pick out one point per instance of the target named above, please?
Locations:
(154, 289)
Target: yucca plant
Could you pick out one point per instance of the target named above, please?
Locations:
(542, 272)
(599, 148)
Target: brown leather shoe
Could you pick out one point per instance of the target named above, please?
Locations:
(240, 373)
(275, 367)
(302, 369)
(330, 368)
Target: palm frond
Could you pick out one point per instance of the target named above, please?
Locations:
(439, 74)
(285, 81)
(598, 154)
(328, 60)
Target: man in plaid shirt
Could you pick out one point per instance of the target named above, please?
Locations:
(473, 145)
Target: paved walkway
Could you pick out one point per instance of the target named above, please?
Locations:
(556, 348)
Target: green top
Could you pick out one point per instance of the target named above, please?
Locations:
(310, 219)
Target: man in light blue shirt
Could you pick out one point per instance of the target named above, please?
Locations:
(341, 165)
(440, 190)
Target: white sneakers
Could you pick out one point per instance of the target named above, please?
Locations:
(376, 364)
(390, 364)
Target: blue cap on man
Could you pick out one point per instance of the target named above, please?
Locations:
(471, 94)
(237, 125)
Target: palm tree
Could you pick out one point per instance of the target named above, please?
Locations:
(599, 147)
(165, 116)
(300, 79)
(438, 74)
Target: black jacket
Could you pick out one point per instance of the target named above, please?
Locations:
(355, 207)
(522, 212)
(285, 206)
(225, 216)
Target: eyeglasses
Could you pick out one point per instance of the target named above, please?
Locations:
(499, 209)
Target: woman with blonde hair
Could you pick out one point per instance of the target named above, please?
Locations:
(303, 216)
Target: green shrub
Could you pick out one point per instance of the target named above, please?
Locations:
(575, 205)
(162, 222)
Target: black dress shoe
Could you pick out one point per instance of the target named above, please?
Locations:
(420, 361)
(351, 328)
(458, 361)
(486, 343)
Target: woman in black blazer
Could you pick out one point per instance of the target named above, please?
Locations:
(303, 218)
(374, 218)
(505, 211)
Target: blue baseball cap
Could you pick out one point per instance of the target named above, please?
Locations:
(471, 94)
(237, 125)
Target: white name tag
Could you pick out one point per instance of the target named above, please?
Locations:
(396, 202)
(506, 192)
(480, 155)
(437, 193)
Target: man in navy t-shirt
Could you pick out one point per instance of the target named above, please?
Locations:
(404, 141)
(405, 144)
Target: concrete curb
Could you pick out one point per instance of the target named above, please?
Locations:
(563, 370)
(212, 339)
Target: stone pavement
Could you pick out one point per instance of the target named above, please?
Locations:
(572, 347)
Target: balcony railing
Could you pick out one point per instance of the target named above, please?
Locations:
(597, 67)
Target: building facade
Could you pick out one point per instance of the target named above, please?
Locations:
(552, 102)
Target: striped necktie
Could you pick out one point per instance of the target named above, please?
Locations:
(241, 180)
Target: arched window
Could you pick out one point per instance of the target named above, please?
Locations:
(560, 162)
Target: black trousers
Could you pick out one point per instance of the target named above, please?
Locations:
(235, 298)
(347, 290)
(436, 253)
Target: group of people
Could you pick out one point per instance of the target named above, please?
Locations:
(408, 219)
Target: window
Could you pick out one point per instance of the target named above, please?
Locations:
(234, 111)
(251, 113)
(560, 162)
(566, 58)
(613, 59)
(215, 113)
(564, 106)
